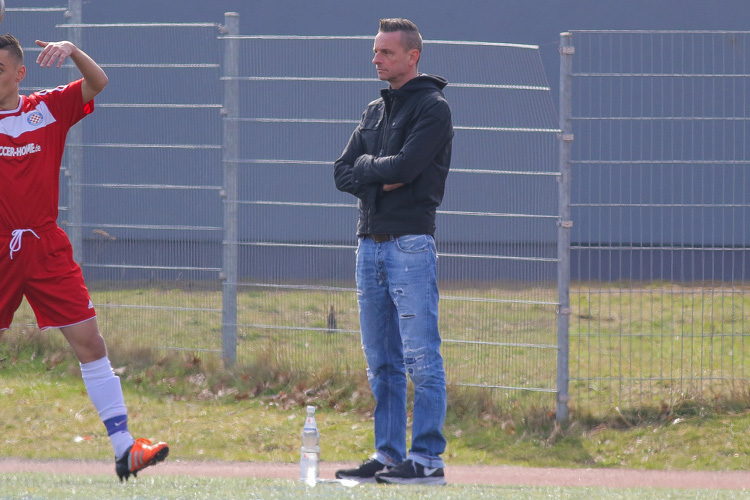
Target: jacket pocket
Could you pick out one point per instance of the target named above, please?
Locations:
(369, 129)
(396, 137)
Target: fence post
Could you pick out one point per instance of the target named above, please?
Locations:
(230, 152)
(564, 226)
(74, 149)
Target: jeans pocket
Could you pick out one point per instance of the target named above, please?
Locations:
(414, 243)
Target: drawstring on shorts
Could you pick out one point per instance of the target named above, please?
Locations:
(15, 242)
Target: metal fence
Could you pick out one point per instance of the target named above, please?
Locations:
(293, 233)
(660, 208)
(201, 204)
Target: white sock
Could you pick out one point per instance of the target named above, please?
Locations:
(105, 391)
(121, 443)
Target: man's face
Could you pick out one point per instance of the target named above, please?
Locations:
(11, 73)
(393, 63)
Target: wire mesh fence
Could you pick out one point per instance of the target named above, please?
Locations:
(201, 204)
(660, 203)
(152, 170)
(207, 213)
(297, 232)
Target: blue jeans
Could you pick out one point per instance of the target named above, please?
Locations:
(398, 314)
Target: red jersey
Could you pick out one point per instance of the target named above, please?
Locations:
(32, 141)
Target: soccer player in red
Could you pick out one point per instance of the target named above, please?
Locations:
(36, 258)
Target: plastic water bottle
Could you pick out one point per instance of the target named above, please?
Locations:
(310, 452)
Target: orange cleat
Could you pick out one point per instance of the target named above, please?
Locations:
(143, 454)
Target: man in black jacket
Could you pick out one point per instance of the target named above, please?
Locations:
(396, 163)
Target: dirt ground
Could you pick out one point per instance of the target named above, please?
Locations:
(504, 475)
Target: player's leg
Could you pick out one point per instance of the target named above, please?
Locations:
(10, 300)
(59, 297)
(11, 285)
(103, 386)
(85, 340)
(105, 391)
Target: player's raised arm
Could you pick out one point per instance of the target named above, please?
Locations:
(55, 53)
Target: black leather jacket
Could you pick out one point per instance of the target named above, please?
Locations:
(404, 137)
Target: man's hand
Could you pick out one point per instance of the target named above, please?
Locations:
(54, 51)
(391, 187)
(94, 77)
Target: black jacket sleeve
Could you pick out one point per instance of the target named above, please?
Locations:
(343, 171)
(429, 133)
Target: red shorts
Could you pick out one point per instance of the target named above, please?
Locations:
(44, 271)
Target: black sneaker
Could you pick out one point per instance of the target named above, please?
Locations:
(410, 472)
(365, 473)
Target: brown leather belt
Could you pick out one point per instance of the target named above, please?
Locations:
(382, 238)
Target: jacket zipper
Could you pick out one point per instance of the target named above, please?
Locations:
(382, 145)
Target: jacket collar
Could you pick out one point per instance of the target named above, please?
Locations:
(422, 81)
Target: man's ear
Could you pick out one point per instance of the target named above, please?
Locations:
(21, 74)
(414, 56)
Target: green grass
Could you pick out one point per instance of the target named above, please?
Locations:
(637, 401)
(644, 344)
(658, 343)
(58, 486)
(207, 413)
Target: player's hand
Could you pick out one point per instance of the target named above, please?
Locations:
(54, 51)
(391, 187)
